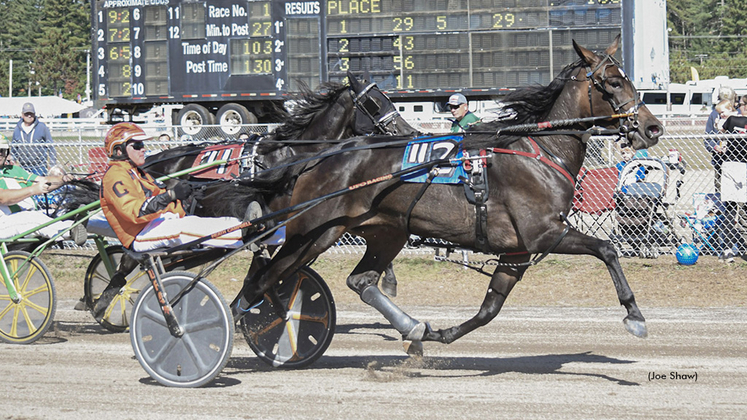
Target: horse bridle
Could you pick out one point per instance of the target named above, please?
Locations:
(627, 124)
(366, 104)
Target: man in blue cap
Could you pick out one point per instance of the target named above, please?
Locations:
(32, 143)
(463, 118)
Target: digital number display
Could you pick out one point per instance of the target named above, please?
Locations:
(251, 56)
(439, 44)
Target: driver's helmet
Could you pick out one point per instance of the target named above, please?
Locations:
(118, 136)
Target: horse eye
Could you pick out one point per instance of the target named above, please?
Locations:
(615, 84)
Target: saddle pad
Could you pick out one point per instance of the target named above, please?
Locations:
(219, 152)
(418, 152)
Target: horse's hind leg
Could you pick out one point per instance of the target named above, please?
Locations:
(389, 281)
(502, 282)
(363, 280)
(577, 243)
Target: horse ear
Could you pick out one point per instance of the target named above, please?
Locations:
(612, 49)
(587, 55)
(352, 80)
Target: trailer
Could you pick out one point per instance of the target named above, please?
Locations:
(233, 62)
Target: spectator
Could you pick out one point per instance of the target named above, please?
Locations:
(18, 213)
(165, 138)
(725, 93)
(463, 118)
(734, 168)
(32, 142)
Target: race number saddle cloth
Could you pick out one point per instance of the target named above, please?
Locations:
(232, 152)
(239, 154)
(470, 173)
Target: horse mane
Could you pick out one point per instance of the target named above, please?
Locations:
(309, 104)
(532, 104)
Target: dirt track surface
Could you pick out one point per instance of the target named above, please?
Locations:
(528, 363)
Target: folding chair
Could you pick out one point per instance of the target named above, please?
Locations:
(593, 200)
(97, 163)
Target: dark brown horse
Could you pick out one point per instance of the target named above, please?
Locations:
(530, 188)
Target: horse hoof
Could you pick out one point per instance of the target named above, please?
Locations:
(637, 328)
(417, 333)
(413, 348)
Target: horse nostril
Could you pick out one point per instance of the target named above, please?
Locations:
(654, 131)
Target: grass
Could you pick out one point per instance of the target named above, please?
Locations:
(556, 281)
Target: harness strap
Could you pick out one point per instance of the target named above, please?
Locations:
(432, 174)
(537, 155)
(253, 161)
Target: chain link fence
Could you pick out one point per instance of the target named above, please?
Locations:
(647, 206)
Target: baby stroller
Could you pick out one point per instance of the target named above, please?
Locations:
(643, 224)
(705, 223)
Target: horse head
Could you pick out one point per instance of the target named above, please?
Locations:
(375, 112)
(611, 93)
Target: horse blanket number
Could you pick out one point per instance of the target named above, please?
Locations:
(228, 170)
(418, 152)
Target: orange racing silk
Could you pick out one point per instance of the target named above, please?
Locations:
(125, 193)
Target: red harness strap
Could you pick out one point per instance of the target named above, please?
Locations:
(537, 155)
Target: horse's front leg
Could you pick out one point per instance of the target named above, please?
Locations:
(577, 243)
(503, 281)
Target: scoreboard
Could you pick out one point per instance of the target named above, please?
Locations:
(446, 44)
(243, 50)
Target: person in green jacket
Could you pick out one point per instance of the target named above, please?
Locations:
(463, 118)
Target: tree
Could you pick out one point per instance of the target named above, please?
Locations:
(17, 41)
(709, 35)
(60, 56)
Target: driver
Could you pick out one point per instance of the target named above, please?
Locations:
(18, 211)
(141, 211)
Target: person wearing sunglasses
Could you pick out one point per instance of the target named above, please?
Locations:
(143, 213)
(18, 211)
(33, 143)
(463, 117)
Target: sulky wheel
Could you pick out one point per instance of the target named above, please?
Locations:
(116, 317)
(307, 330)
(26, 321)
(198, 356)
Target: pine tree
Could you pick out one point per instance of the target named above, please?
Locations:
(20, 20)
(60, 57)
